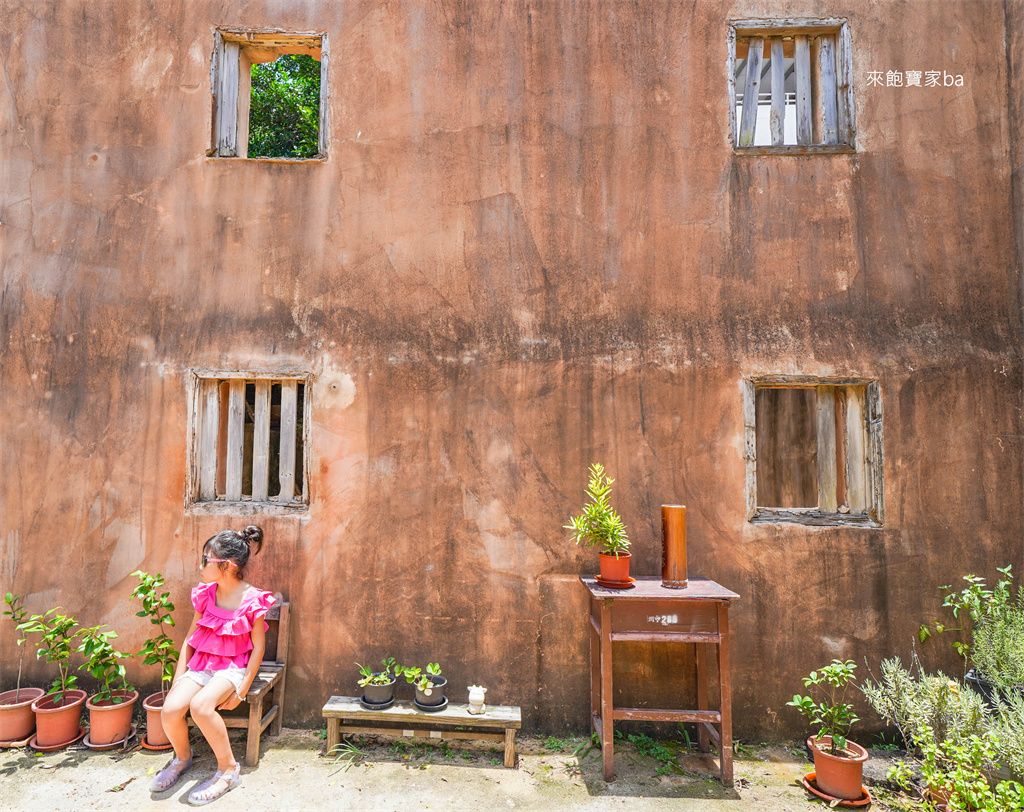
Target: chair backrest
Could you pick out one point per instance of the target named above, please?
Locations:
(277, 635)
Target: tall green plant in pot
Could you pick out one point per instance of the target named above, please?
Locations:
(157, 650)
(58, 713)
(111, 707)
(838, 762)
(599, 525)
(17, 721)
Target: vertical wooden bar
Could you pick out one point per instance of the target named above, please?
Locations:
(841, 445)
(802, 66)
(778, 114)
(876, 461)
(252, 738)
(734, 132)
(750, 445)
(222, 437)
(236, 436)
(856, 449)
(844, 87)
(595, 672)
(286, 468)
(826, 449)
(325, 106)
(827, 89)
(702, 693)
(244, 100)
(510, 747)
(815, 55)
(748, 118)
(227, 99)
(725, 683)
(607, 701)
(333, 733)
(209, 399)
(261, 442)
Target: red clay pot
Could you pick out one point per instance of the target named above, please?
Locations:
(615, 568)
(110, 722)
(839, 776)
(57, 725)
(155, 735)
(17, 721)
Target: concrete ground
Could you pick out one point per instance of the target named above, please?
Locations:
(393, 774)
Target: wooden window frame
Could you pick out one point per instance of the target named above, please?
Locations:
(821, 128)
(863, 440)
(204, 430)
(238, 48)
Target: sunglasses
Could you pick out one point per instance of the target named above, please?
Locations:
(208, 560)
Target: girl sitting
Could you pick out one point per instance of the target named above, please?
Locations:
(221, 656)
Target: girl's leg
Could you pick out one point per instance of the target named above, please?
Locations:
(204, 710)
(176, 704)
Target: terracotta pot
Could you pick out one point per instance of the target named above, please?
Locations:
(57, 725)
(839, 776)
(110, 722)
(379, 694)
(615, 568)
(436, 692)
(16, 719)
(153, 705)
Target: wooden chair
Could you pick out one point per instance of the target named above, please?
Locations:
(268, 684)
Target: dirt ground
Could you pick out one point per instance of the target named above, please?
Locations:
(393, 774)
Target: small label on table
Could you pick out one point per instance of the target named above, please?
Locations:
(664, 620)
(435, 734)
(407, 733)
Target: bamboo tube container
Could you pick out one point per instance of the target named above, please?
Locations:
(673, 546)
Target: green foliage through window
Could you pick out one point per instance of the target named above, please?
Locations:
(284, 108)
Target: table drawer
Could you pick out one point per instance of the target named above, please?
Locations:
(665, 616)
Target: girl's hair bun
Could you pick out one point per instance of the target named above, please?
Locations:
(253, 535)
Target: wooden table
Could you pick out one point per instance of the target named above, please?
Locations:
(652, 613)
(345, 715)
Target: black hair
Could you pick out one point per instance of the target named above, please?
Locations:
(235, 546)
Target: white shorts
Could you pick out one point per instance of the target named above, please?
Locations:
(233, 675)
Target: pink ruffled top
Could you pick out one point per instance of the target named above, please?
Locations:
(223, 637)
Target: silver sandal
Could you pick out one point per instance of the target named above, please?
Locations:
(169, 775)
(196, 796)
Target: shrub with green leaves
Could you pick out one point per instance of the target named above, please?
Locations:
(157, 606)
(419, 677)
(104, 662)
(832, 715)
(997, 649)
(56, 636)
(15, 610)
(371, 677)
(1008, 728)
(599, 525)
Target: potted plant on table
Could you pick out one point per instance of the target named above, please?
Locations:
(17, 722)
(378, 686)
(599, 525)
(838, 762)
(59, 712)
(429, 686)
(110, 708)
(157, 650)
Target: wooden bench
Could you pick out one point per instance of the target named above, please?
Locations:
(345, 716)
(268, 684)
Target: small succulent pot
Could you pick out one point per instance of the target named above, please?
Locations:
(17, 722)
(839, 776)
(58, 724)
(615, 568)
(379, 694)
(436, 695)
(111, 721)
(153, 705)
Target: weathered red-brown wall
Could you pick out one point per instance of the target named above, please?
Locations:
(531, 248)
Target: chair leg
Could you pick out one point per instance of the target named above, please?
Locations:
(252, 741)
(275, 725)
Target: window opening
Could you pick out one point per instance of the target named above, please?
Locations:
(284, 108)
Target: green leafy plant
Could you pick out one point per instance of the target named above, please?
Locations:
(15, 610)
(104, 662)
(1008, 729)
(599, 525)
(832, 715)
(371, 677)
(156, 605)
(284, 109)
(345, 755)
(56, 635)
(420, 677)
(997, 649)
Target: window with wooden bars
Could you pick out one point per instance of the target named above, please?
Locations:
(790, 86)
(814, 451)
(249, 443)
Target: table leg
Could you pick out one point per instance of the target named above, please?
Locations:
(702, 694)
(607, 701)
(725, 683)
(595, 675)
(510, 747)
(333, 733)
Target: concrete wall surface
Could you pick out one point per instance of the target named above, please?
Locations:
(531, 247)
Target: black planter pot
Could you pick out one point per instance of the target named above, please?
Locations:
(987, 690)
(379, 694)
(437, 696)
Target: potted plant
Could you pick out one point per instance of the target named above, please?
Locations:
(157, 650)
(429, 685)
(378, 686)
(17, 722)
(838, 762)
(59, 712)
(110, 708)
(599, 525)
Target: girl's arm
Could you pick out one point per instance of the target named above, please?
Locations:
(259, 645)
(186, 650)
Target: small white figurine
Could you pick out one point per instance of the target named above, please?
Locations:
(476, 699)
